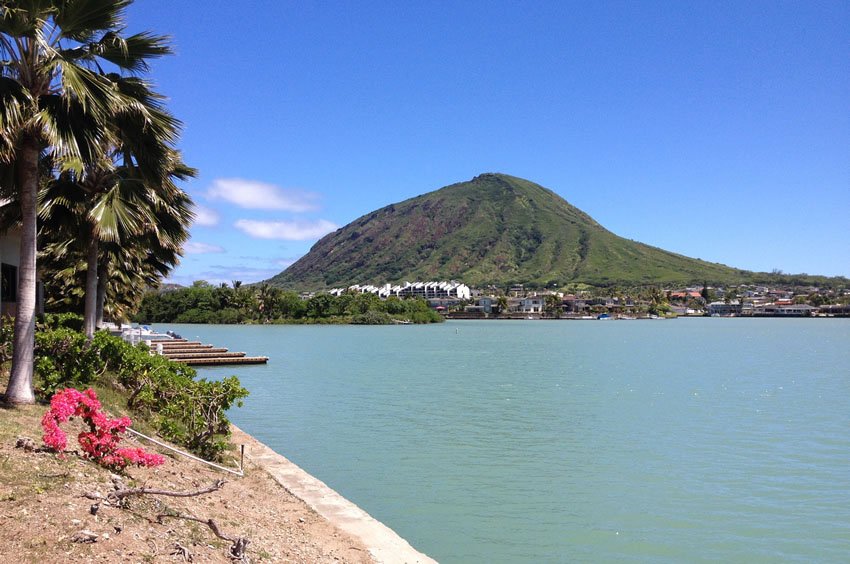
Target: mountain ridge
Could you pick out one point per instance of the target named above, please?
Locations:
(493, 229)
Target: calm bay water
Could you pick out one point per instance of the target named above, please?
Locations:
(568, 441)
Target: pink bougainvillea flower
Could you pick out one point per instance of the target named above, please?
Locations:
(100, 442)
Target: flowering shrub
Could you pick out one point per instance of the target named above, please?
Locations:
(185, 409)
(100, 442)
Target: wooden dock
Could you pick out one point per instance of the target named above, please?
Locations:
(195, 353)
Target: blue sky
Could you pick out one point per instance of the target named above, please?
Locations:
(715, 130)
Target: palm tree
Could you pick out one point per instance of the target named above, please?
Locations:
(109, 213)
(126, 229)
(141, 261)
(52, 96)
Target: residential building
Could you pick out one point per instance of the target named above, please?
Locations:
(533, 304)
(724, 309)
(425, 290)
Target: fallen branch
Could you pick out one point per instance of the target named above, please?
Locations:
(182, 552)
(116, 496)
(237, 549)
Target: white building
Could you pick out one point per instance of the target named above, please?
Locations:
(534, 304)
(425, 290)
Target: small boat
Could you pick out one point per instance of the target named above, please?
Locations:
(603, 317)
(136, 333)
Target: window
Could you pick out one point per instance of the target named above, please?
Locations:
(8, 283)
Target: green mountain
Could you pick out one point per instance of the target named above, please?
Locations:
(494, 229)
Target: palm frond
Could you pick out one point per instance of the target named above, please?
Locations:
(131, 53)
(95, 94)
(10, 214)
(69, 128)
(114, 214)
(17, 17)
(81, 20)
(8, 184)
(137, 89)
(14, 101)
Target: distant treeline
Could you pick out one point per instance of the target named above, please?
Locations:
(205, 303)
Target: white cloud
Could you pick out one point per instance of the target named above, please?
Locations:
(205, 216)
(251, 194)
(288, 230)
(196, 248)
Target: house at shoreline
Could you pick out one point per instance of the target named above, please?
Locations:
(532, 304)
(758, 301)
(734, 307)
(784, 310)
(486, 304)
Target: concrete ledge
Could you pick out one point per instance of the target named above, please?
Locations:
(384, 545)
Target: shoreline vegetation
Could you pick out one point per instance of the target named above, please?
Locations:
(63, 505)
(203, 303)
(223, 304)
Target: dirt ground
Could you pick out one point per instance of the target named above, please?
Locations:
(45, 515)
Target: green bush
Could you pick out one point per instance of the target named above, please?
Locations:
(71, 321)
(204, 303)
(184, 409)
(65, 358)
(372, 318)
(429, 316)
(7, 335)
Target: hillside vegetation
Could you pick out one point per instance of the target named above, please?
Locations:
(494, 229)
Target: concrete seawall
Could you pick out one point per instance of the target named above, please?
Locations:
(384, 545)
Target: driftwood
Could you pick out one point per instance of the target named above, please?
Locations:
(182, 552)
(238, 546)
(115, 497)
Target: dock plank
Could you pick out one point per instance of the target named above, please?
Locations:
(223, 361)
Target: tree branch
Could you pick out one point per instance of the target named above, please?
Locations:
(237, 549)
(116, 496)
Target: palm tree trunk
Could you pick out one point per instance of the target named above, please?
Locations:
(101, 292)
(90, 314)
(19, 390)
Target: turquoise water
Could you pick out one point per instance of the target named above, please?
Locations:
(569, 441)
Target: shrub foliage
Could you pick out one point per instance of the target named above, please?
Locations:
(204, 303)
(183, 408)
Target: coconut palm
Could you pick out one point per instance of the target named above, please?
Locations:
(53, 95)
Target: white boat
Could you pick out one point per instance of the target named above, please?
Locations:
(137, 333)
